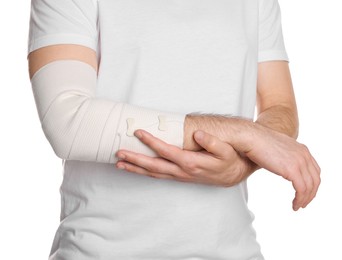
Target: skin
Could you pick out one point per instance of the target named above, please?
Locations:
(219, 150)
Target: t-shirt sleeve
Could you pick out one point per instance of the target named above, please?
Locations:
(63, 22)
(271, 41)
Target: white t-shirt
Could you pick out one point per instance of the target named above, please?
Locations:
(173, 55)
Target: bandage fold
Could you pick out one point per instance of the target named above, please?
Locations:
(80, 126)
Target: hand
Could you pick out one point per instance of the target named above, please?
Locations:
(219, 164)
(286, 157)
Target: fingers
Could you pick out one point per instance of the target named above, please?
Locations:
(190, 162)
(313, 180)
(307, 184)
(220, 163)
(150, 166)
(317, 176)
(310, 189)
(139, 170)
(169, 152)
(301, 189)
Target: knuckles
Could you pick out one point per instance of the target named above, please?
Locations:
(190, 166)
(163, 152)
(211, 144)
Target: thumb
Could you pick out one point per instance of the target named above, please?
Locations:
(211, 143)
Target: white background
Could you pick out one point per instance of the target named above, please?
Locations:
(31, 173)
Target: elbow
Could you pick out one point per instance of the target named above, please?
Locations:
(58, 142)
(61, 122)
(59, 150)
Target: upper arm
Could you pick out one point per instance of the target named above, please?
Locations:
(274, 86)
(275, 96)
(42, 56)
(63, 29)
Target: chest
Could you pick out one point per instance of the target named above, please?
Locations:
(208, 23)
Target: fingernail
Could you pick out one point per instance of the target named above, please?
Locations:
(121, 156)
(199, 135)
(120, 166)
(138, 134)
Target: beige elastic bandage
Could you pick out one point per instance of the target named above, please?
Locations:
(80, 126)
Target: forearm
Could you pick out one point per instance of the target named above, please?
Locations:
(235, 131)
(80, 126)
(280, 118)
(242, 133)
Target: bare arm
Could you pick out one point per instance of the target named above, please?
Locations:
(276, 110)
(37, 59)
(275, 98)
(269, 142)
(257, 140)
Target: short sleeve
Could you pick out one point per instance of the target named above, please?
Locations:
(63, 22)
(271, 41)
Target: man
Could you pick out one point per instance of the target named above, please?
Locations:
(104, 73)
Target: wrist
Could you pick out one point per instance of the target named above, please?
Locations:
(191, 125)
(242, 134)
(216, 125)
(225, 128)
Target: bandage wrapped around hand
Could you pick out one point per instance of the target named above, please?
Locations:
(80, 126)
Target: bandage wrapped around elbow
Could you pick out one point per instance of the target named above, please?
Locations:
(80, 126)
